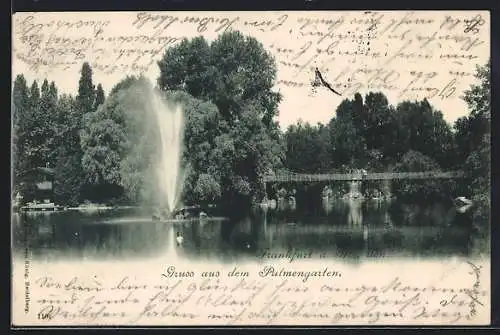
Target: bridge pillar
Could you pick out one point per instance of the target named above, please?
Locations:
(387, 187)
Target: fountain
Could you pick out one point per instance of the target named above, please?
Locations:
(169, 172)
(163, 184)
(355, 190)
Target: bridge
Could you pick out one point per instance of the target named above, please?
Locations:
(301, 177)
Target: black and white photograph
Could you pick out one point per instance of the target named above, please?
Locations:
(187, 168)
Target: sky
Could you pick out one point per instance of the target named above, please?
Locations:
(405, 55)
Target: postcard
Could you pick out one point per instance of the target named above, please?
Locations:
(251, 168)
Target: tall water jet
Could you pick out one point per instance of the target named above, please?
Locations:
(169, 171)
(354, 189)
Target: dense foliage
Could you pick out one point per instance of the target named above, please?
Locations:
(371, 134)
(232, 138)
(105, 148)
(476, 141)
(412, 136)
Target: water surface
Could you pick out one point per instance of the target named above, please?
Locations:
(351, 230)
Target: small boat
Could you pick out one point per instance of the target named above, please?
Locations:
(40, 207)
(462, 204)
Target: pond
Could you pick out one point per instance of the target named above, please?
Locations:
(352, 230)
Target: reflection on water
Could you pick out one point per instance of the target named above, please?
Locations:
(349, 228)
(355, 213)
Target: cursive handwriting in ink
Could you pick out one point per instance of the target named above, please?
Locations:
(473, 24)
(265, 295)
(370, 39)
(474, 292)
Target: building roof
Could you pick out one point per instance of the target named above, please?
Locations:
(46, 170)
(43, 170)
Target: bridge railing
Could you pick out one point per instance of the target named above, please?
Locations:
(298, 177)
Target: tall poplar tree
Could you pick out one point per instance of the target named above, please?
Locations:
(69, 172)
(19, 111)
(86, 90)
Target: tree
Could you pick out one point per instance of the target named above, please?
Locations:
(84, 104)
(478, 97)
(33, 127)
(105, 141)
(141, 149)
(421, 128)
(257, 152)
(20, 127)
(478, 169)
(324, 150)
(358, 114)
(232, 72)
(187, 67)
(99, 97)
(231, 138)
(470, 130)
(102, 139)
(86, 90)
(474, 138)
(68, 172)
(348, 143)
(43, 130)
(463, 138)
(416, 190)
(378, 117)
(126, 83)
(68, 178)
(34, 94)
(379, 132)
(207, 190)
(307, 148)
(21, 100)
